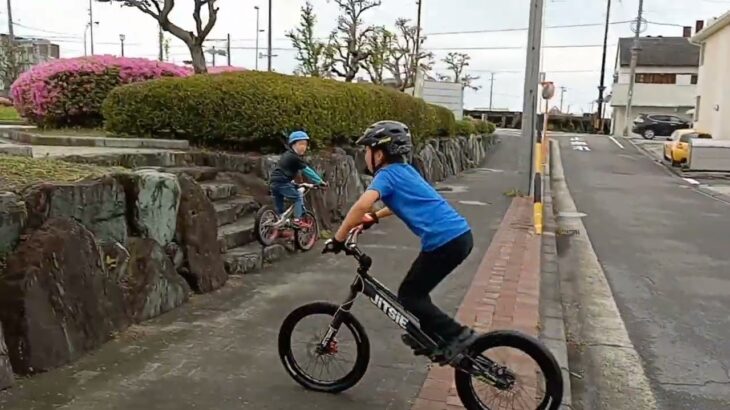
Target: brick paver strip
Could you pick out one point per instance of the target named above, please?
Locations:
(504, 294)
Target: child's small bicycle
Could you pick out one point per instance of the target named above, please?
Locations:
(269, 226)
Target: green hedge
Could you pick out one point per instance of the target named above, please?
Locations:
(260, 108)
(465, 127)
(484, 127)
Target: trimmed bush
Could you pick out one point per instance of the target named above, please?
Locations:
(465, 127)
(69, 92)
(484, 127)
(259, 108)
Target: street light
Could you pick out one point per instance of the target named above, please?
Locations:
(86, 32)
(122, 37)
(258, 55)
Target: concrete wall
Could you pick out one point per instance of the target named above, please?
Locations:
(713, 113)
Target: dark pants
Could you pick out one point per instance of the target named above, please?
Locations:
(427, 271)
(287, 190)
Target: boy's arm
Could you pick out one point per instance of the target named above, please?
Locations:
(356, 213)
(312, 175)
(384, 213)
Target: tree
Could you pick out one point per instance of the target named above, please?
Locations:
(13, 61)
(402, 63)
(160, 11)
(457, 63)
(348, 42)
(379, 49)
(312, 54)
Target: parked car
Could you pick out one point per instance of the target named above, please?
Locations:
(676, 150)
(650, 126)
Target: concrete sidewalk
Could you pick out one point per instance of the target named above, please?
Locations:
(219, 351)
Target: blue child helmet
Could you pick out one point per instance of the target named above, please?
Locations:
(298, 136)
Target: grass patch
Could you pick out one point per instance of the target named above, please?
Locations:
(9, 114)
(19, 172)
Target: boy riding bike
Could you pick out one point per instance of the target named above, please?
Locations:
(446, 238)
(290, 163)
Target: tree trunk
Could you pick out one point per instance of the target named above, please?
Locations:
(196, 52)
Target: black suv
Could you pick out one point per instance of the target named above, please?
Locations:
(651, 125)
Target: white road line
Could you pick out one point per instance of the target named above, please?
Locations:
(615, 141)
(691, 181)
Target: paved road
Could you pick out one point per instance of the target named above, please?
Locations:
(219, 350)
(664, 249)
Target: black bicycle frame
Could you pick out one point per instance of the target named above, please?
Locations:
(383, 298)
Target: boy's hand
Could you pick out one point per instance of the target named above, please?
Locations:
(324, 184)
(368, 220)
(333, 246)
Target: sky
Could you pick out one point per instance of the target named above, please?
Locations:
(575, 68)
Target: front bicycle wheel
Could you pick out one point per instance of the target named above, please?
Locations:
(509, 370)
(306, 235)
(334, 369)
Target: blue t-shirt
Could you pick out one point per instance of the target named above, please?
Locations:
(424, 211)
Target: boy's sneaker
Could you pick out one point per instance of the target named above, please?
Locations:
(457, 345)
(296, 223)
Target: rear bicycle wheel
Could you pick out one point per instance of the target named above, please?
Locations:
(524, 375)
(335, 369)
(264, 228)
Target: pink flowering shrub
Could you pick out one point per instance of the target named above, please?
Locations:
(69, 92)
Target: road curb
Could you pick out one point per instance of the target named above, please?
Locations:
(25, 137)
(552, 317)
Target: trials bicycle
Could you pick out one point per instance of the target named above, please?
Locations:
(479, 369)
(269, 226)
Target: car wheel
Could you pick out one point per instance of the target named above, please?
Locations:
(649, 134)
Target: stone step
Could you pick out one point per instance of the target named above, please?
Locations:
(230, 210)
(251, 257)
(219, 190)
(236, 234)
(199, 174)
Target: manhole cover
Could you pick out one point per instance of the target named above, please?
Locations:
(571, 214)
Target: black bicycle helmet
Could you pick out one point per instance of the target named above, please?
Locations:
(393, 137)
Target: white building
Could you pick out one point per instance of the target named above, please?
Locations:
(665, 81)
(712, 110)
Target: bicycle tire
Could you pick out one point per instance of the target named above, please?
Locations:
(263, 211)
(308, 381)
(528, 345)
(299, 235)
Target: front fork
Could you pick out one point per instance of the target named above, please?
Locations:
(325, 345)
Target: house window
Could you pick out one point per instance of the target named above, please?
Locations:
(652, 78)
(694, 79)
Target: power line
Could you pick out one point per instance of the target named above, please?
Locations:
(504, 30)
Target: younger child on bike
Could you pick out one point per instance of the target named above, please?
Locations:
(290, 163)
(446, 238)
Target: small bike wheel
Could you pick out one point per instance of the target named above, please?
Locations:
(264, 228)
(307, 233)
(307, 367)
(519, 360)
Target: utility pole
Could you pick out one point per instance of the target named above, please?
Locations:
(213, 53)
(491, 89)
(161, 41)
(529, 101)
(228, 49)
(417, 48)
(602, 87)
(634, 61)
(562, 91)
(121, 40)
(269, 34)
(91, 25)
(11, 31)
(257, 37)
